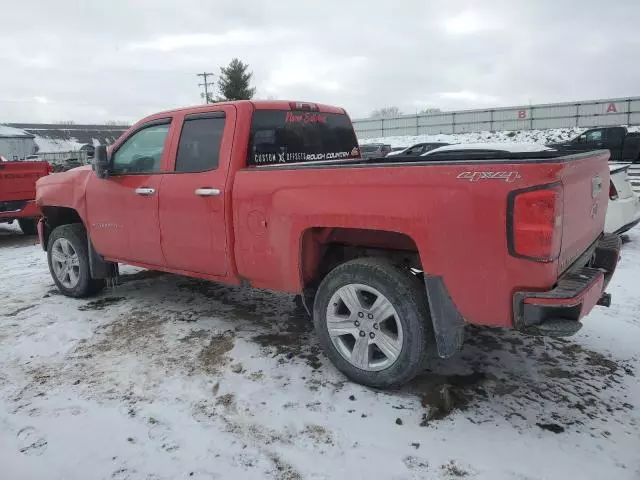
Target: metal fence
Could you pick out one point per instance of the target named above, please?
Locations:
(587, 114)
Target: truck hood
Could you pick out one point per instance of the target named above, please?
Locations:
(70, 176)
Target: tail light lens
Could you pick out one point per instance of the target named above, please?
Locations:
(613, 192)
(535, 223)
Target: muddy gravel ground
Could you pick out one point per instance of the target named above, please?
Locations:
(166, 377)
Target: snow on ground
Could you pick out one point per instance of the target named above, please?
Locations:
(166, 377)
(536, 136)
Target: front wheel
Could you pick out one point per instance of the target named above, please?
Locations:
(29, 226)
(68, 257)
(373, 322)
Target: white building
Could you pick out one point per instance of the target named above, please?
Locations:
(16, 144)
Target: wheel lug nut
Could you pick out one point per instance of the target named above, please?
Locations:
(370, 316)
(361, 315)
(362, 334)
(356, 323)
(375, 325)
(372, 335)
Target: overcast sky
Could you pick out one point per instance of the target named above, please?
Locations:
(94, 61)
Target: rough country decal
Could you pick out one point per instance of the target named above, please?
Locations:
(305, 118)
(477, 176)
(271, 158)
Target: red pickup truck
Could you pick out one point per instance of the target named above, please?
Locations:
(391, 257)
(18, 193)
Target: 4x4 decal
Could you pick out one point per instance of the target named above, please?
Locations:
(477, 176)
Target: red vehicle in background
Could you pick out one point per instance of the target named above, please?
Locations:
(391, 257)
(18, 192)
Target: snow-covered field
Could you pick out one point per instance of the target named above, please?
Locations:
(536, 136)
(166, 377)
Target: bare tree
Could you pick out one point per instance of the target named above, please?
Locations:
(386, 112)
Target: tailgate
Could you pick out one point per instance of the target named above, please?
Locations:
(18, 179)
(585, 184)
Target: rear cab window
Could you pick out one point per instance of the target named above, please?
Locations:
(294, 137)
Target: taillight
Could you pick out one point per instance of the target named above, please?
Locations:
(613, 192)
(534, 223)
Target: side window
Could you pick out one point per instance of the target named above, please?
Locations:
(141, 153)
(199, 147)
(594, 136)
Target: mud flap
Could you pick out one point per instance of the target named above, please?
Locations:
(99, 268)
(448, 324)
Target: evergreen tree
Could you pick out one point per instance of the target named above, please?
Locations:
(234, 82)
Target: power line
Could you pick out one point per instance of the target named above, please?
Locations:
(206, 85)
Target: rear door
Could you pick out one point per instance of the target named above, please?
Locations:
(193, 196)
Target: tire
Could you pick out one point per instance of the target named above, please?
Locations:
(29, 226)
(405, 337)
(69, 243)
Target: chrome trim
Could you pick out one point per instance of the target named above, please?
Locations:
(145, 191)
(207, 192)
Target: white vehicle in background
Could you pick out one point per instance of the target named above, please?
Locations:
(417, 149)
(623, 210)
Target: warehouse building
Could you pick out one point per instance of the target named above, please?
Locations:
(16, 144)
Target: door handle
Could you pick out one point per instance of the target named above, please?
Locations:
(145, 191)
(207, 192)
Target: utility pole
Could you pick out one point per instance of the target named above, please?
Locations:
(205, 84)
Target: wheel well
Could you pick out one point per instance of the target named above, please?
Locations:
(56, 216)
(323, 249)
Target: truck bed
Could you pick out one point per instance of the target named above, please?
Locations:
(454, 209)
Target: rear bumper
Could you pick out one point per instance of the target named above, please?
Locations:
(18, 209)
(558, 311)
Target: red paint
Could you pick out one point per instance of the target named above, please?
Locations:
(270, 227)
(612, 108)
(18, 182)
(522, 114)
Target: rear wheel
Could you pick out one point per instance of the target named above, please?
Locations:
(373, 322)
(28, 225)
(68, 258)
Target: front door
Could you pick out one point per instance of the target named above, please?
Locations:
(192, 197)
(123, 208)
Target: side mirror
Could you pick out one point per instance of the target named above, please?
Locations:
(101, 162)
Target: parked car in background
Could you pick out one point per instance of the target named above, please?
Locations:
(417, 149)
(18, 193)
(624, 146)
(623, 212)
(370, 151)
(390, 258)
